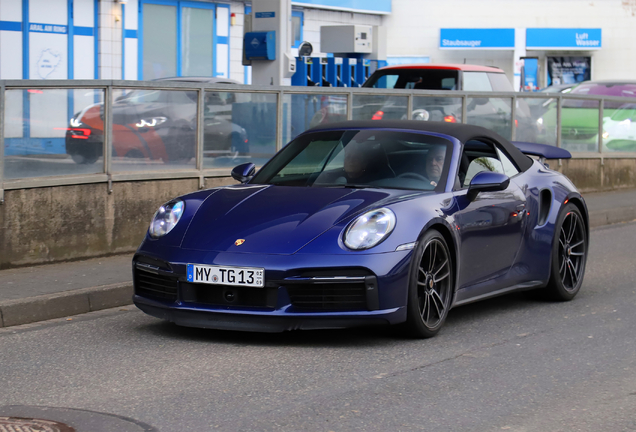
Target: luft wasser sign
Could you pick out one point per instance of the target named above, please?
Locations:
(562, 38)
(477, 39)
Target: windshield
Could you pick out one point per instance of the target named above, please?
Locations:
(361, 159)
(419, 79)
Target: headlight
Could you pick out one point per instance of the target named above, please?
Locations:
(166, 218)
(151, 122)
(369, 229)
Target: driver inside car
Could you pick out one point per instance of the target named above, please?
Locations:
(435, 163)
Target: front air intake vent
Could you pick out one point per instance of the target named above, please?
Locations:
(154, 284)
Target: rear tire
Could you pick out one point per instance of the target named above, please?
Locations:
(569, 255)
(431, 286)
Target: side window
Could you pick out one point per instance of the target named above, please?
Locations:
(509, 168)
(476, 81)
(479, 156)
(480, 164)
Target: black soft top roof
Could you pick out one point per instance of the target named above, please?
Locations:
(462, 132)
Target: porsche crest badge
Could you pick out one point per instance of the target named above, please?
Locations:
(239, 242)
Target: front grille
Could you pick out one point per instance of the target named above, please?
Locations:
(328, 296)
(229, 296)
(154, 285)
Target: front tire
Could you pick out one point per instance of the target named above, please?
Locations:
(431, 286)
(569, 255)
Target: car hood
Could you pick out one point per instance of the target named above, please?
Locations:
(273, 219)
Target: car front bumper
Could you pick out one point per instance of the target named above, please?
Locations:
(334, 292)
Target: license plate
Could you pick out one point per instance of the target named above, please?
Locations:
(218, 275)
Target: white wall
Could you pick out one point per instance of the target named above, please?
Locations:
(315, 18)
(413, 29)
(110, 33)
(10, 41)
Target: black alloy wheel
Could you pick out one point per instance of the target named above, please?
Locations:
(430, 286)
(569, 255)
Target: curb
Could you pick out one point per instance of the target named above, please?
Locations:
(60, 305)
(612, 216)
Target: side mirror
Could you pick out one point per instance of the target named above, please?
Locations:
(244, 172)
(487, 181)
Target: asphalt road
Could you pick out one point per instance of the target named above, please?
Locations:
(511, 363)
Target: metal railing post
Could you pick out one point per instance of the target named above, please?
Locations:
(409, 107)
(558, 120)
(349, 105)
(464, 108)
(108, 135)
(2, 98)
(600, 125)
(513, 115)
(200, 135)
(279, 120)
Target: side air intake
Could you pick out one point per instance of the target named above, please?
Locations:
(545, 202)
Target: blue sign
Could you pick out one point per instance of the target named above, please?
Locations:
(48, 28)
(562, 38)
(477, 39)
(530, 74)
(265, 14)
(377, 6)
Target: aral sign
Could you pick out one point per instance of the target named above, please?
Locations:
(563, 38)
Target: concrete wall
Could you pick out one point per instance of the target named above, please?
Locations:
(50, 224)
(61, 223)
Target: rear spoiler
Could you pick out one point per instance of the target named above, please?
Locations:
(544, 151)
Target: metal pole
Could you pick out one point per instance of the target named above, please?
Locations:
(2, 97)
(409, 107)
(558, 120)
(279, 121)
(108, 135)
(513, 115)
(600, 125)
(350, 106)
(464, 108)
(200, 135)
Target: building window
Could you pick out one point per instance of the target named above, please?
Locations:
(183, 38)
(297, 28)
(159, 41)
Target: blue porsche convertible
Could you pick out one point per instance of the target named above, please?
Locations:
(366, 222)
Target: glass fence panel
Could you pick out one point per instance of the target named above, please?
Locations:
(492, 113)
(379, 107)
(238, 128)
(579, 125)
(153, 130)
(437, 109)
(536, 120)
(304, 111)
(47, 134)
(619, 126)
